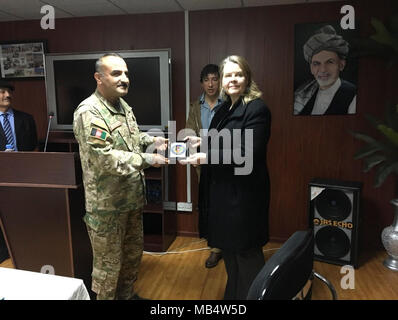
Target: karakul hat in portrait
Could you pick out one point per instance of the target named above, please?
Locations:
(325, 39)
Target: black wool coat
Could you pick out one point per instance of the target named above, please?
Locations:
(233, 208)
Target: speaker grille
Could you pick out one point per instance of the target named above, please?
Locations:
(334, 215)
(333, 204)
(332, 242)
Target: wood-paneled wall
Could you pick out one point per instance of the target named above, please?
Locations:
(107, 33)
(300, 148)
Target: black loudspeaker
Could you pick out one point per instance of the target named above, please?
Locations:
(334, 209)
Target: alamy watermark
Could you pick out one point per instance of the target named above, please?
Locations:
(348, 280)
(47, 269)
(229, 147)
(48, 20)
(348, 21)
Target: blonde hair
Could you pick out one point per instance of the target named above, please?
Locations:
(252, 91)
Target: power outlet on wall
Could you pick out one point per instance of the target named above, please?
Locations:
(184, 206)
(169, 205)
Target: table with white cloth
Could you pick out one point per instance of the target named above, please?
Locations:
(26, 285)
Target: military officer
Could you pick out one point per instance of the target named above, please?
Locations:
(112, 153)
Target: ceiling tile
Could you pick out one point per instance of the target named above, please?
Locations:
(26, 9)
(147, 6)
(8, 17)
(256, 3)
(79, 8)
(11, 10)
(313, 1)
(209, 4)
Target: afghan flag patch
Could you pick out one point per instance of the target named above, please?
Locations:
(99, 134)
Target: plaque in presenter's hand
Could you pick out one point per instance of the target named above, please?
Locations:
(178, 150)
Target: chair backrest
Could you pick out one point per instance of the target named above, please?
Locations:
(287, 271)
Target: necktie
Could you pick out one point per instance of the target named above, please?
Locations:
(7, 130)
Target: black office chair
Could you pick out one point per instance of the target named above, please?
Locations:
(289, 273)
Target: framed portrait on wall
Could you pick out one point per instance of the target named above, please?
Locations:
(325, 75)
(23, 59)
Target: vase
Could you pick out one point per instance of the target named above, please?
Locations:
(389, 238)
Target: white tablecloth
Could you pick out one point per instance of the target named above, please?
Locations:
(26, 285)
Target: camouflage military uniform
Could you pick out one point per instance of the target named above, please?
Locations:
(112, 156)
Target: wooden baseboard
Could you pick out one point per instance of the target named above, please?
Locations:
(277, 239)
(196, 235)
(188, 234)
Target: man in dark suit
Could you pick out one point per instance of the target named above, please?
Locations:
(18, 129)
(23, 134)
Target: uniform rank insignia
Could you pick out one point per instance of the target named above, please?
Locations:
(97, 133)
(115, 125)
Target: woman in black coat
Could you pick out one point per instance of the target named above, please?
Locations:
(234, 184)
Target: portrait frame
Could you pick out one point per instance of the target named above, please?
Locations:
(302, 73)
(22, 59)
